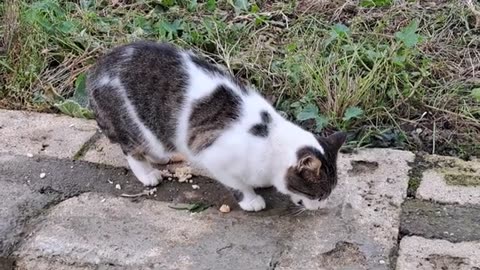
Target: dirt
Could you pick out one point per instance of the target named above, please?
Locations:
(344, 255)
(362, 166)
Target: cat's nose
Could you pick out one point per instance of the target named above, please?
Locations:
(300, 203)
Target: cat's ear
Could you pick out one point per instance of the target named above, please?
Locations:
(310, 163)
(336, 140)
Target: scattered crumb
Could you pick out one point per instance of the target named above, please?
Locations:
(103, 200)
(29, 155)
(117, 186)
(72, 125)
(381, 262)
(195, 186)
(224, 208)
(42, 175)
(190, 181)
(166, 173)
(71, 167)
(110, 182)
(183, 174)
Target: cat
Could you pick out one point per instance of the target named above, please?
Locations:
(157, 101)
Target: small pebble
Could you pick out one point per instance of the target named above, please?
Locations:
(224, 208)
(195, 186)
(103, 200)
(42, 175)
(117, 186)
(110, 181)
(381, 262)
(169, 178)
(190, 181)
(29, 155)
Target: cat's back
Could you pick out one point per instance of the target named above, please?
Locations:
(139, 84)
(139, 65)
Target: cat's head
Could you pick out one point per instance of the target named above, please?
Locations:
(311, 180)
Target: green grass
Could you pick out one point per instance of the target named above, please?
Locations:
(394, 75)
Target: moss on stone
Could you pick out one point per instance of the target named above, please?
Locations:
(462, 179)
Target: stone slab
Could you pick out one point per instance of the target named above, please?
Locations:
(19, 203)
(43, 134)
(105, 152)
(451, 181)
(357, 231)
(426, 254)
(454, 223)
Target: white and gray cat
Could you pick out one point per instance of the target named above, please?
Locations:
(157, 101)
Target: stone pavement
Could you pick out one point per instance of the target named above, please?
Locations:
(62, 208)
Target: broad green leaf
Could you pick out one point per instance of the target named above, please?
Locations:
(308, 112)
(255, 9)
(72, 108)
(295, 104)
(476, 94)
(321, 122)
(211, 5)
(408, 35)
(292, 47)
(241, 5)
(399, 60)
(67, 27)
(80, 94)
(341, 29)
(192, 5)
(352, 112)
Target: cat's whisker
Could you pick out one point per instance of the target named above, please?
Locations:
(299, 212)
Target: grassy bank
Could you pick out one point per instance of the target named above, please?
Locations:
(402, 75)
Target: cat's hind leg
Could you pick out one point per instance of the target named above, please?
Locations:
(166, 159)
(144, 171)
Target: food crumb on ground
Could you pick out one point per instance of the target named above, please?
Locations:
(29, 155)
(183, 174)
(224, 208)
(117, 186)
(42, 175)
(195, 186)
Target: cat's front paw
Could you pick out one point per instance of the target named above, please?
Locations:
(256, 204)
(152, 179)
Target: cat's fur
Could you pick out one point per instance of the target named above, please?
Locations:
(156, 100)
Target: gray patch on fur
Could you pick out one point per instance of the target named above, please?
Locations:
(154, 80)
(211, 115)
(237, 194)
(261, 129)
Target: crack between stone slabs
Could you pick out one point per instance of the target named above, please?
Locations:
(275, 259)
(87, 145)
(415, 174)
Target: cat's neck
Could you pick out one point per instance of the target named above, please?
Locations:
(287, 138)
